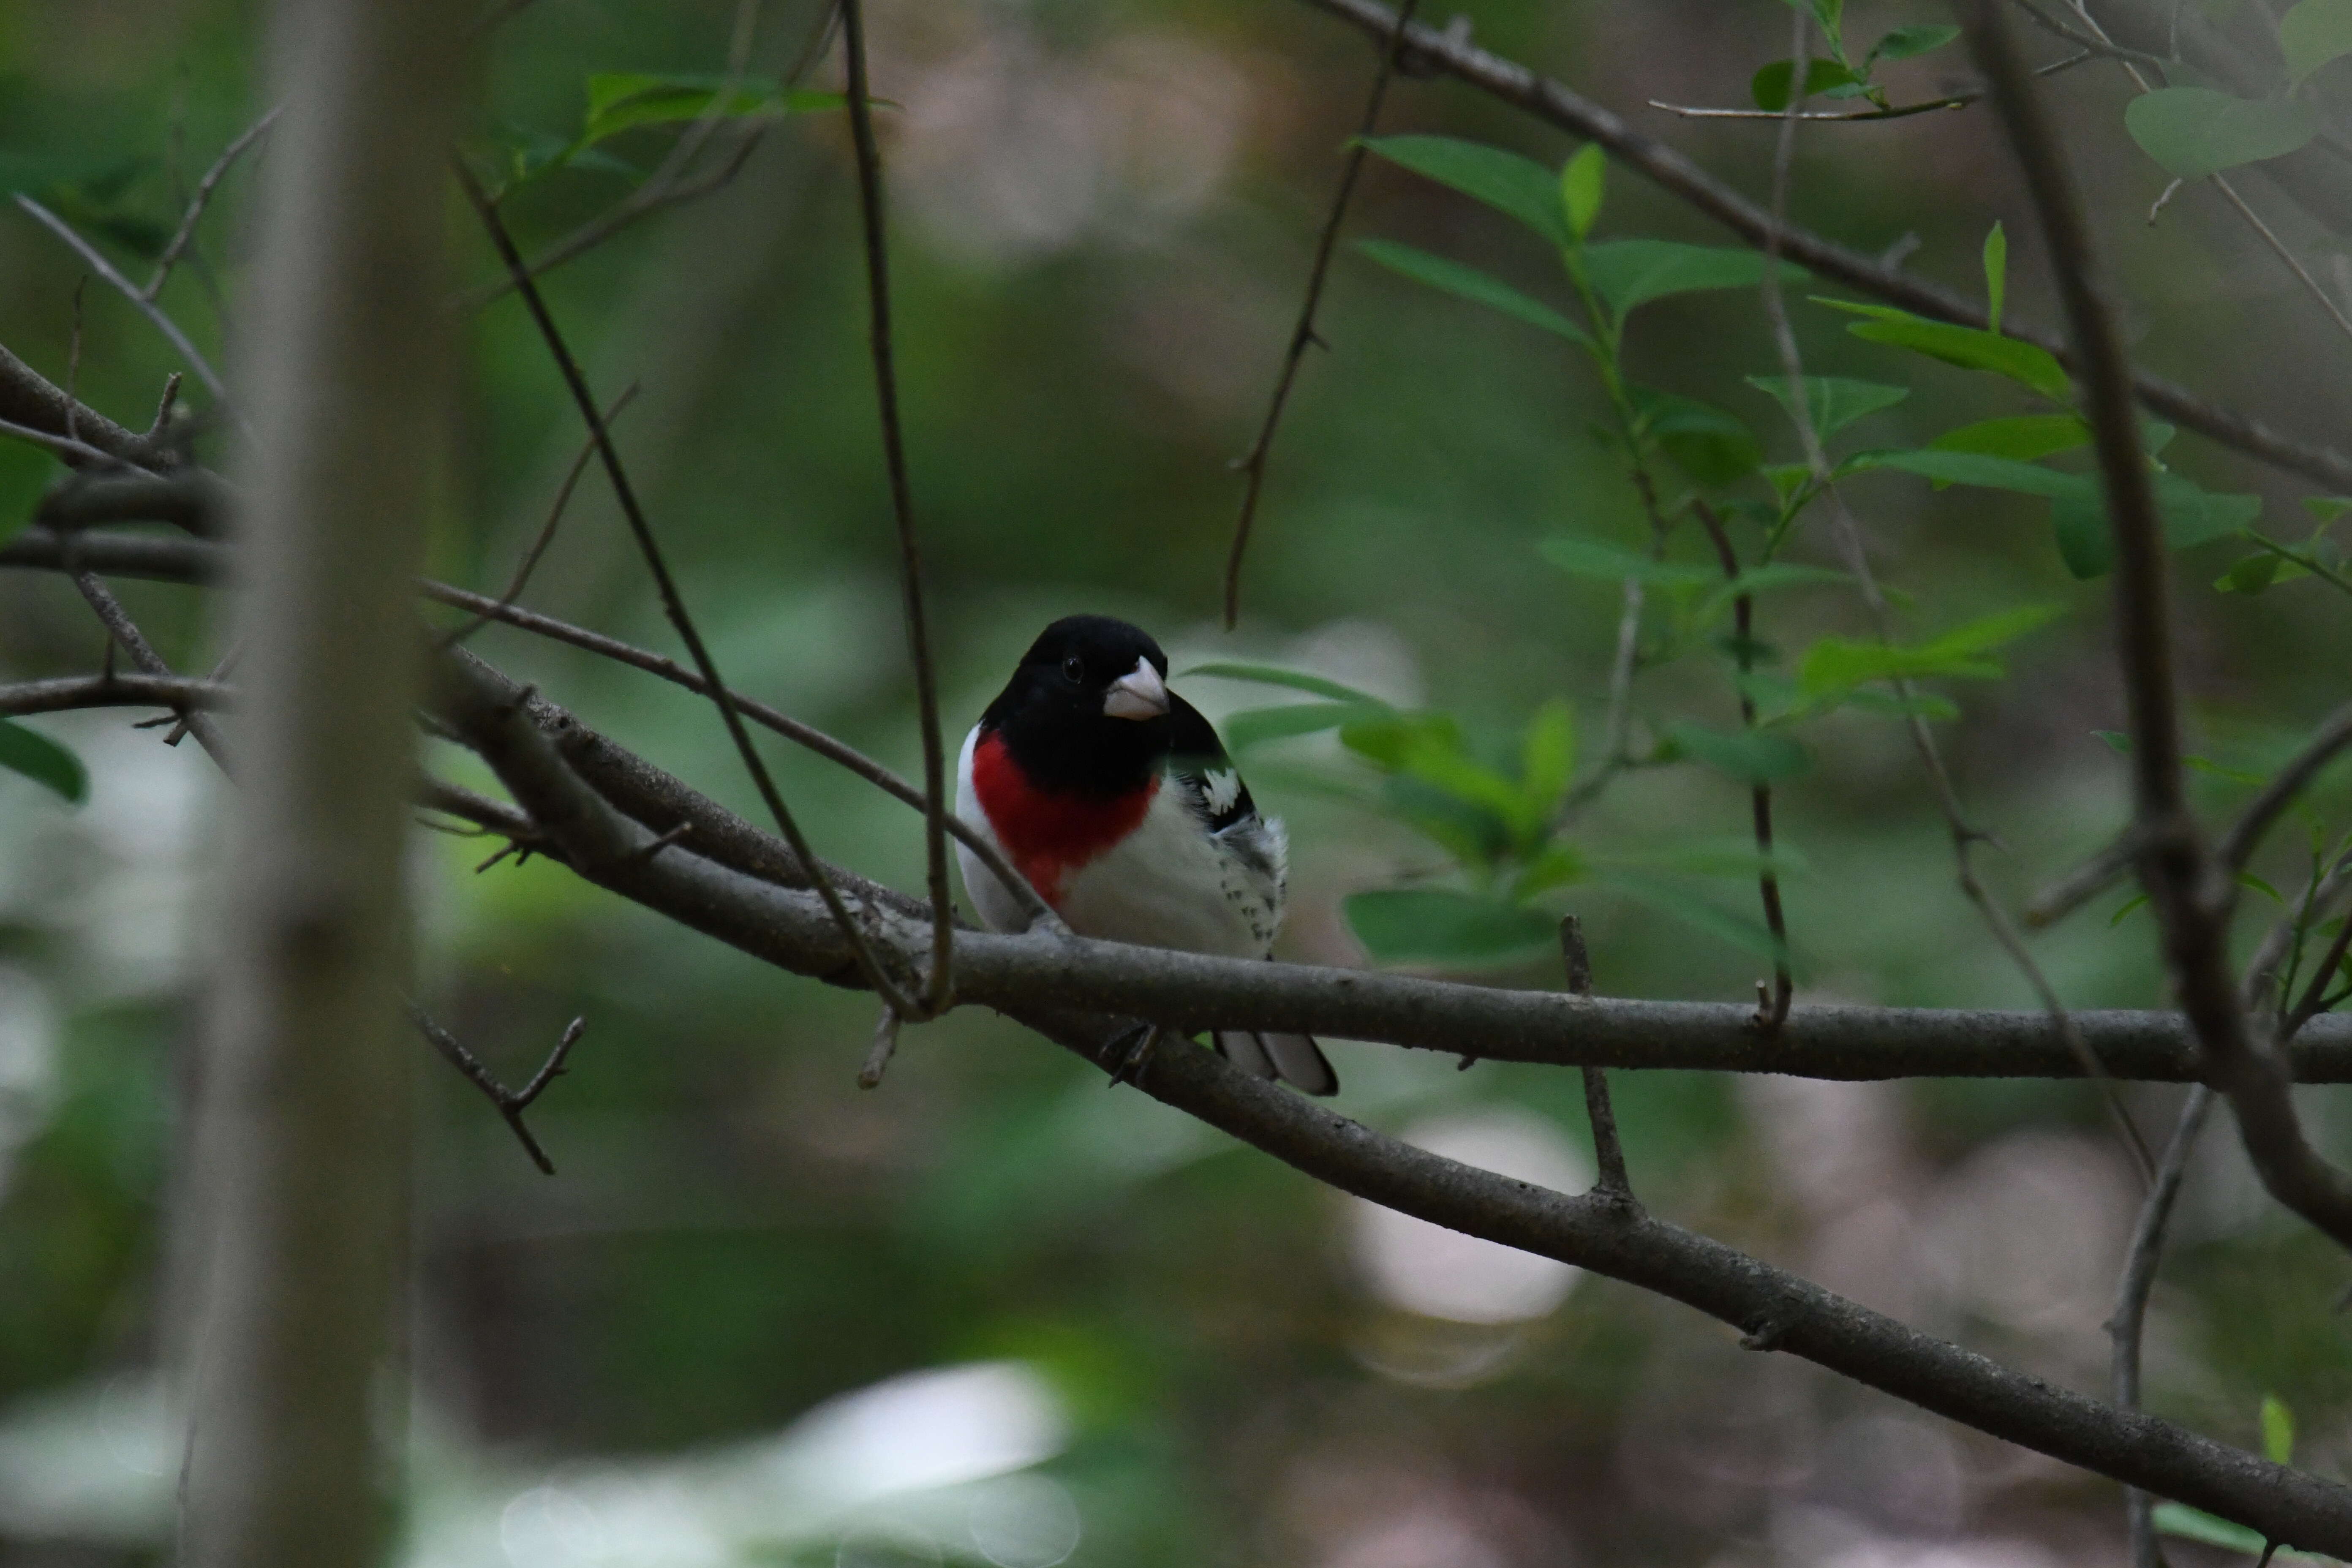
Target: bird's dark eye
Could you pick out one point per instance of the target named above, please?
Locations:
(1075, 669)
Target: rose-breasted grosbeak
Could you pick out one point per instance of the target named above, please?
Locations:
(1114, 797)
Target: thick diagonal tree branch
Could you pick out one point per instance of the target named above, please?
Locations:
(1777, 1311)
(1426, 49)
(2191, 896)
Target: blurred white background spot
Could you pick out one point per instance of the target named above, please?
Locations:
(1025, 1522)
(1425, 1268)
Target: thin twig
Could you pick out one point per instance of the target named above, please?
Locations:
(1965, 835)
(196, 203)
(1607, 1152)
(885, 1046)
(2094, 42)
(2245, 834)
(759, 713)
(1771, 1012)
(644, 202)
(510, 1102)
(2237, 847)
(128, 290)
(869, 961)
(1302, 335)
(179, 731)
(2085, 882)
(124, 631)
(2129, 1323)
(2278, 248)
(2191, 896)
(529, 561)
(1821, 116)
(940, 986)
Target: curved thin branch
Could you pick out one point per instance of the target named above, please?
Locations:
(2130, 1320)
(1302, 335)
(69, 693)
(146, 306)
(673, 603)
(2245, 834)
(940, 983)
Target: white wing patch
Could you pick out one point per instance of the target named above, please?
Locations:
(1221, 788)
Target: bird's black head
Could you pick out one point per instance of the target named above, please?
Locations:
(1086, 711)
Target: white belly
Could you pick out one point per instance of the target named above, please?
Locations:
(1169, 883)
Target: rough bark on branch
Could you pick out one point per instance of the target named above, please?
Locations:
(1776, 1310)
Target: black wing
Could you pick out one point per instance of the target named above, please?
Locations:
(1197, 761)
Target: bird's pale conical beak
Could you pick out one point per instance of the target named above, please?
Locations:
(1138, 694)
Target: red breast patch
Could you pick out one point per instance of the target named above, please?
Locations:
(1049, 836)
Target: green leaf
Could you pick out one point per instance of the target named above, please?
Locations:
(620, 100)
(1834, 402)
(1297, 680)
(1469, 283)
(2191, 516)
(1889, 705)
(1581, 181)
(2252, 573)
(1747, 935)
(2314, 33)
(42, 760)
(1976, 469)
(1918, 39)
(2327, 509)
(1770, 86)
(1995, 272)
(2078, 523)
(1434, 925)
(1834, 665)
(2114, 921)
(1548, 758)
(2021, 436)
(2195, 131)
(1970, 348)
(1705, 442)
(2196, 1524)
(2278, 1426)
(2194, 516)
(1582, 557)
(1556, 867)
(1750, 756)
(1630, 272)
(1256, 726)
(1516, 186)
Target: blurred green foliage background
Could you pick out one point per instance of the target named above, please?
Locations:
(1055, 1322)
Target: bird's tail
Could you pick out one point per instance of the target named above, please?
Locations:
(1296, 1059)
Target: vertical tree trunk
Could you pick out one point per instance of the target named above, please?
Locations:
(302, 1145)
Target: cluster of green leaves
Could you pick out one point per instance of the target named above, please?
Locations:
(1840, 75)
(1690, 601)
(1496, 811)
(2195, 129)
(620, 101)
(2009, 453)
